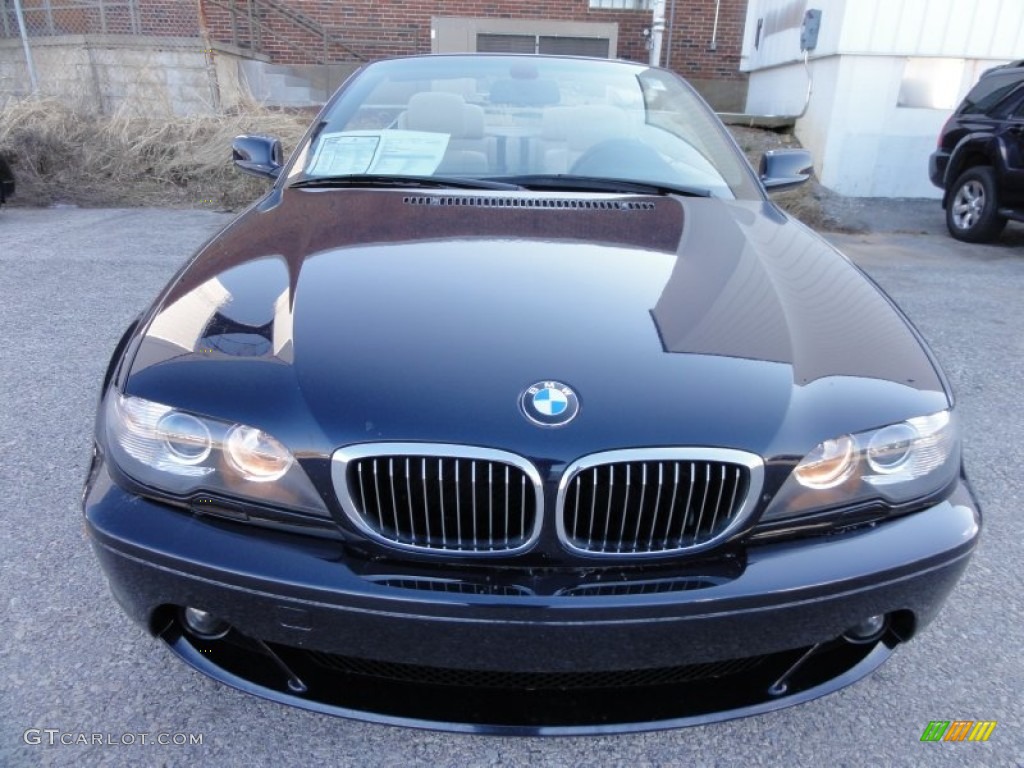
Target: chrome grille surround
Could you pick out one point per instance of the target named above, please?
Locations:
(419, 479)
(666, 500)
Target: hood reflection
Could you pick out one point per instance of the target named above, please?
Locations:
(245, 311)
(749, 287)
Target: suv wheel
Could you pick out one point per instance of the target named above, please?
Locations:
(972, 213)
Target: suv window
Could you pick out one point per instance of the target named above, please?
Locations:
(990, 91)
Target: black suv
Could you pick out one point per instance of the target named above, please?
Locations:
(979, 162)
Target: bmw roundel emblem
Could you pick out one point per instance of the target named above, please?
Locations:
(550, 403)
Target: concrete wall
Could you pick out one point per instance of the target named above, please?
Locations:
(107, 73)
(886, 76)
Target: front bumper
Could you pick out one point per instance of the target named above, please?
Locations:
(938, 161)
(292, 595)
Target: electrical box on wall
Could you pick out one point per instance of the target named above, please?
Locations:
(809, 30)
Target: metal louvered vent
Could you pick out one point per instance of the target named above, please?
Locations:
(545, 203)
(656, 501)
(440, 498)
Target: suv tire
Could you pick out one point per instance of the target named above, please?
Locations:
(972, 213)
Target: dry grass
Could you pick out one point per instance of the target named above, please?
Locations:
(62, 156)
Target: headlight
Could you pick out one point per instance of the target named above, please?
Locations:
(894, 465)
(828, 465)
(182, 453)
(255, 455)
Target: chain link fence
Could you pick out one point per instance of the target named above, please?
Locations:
(48, 18)
(101, 56)
(85, 17)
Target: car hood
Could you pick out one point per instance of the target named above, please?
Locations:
(332, 317)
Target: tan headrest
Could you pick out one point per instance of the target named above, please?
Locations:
(438, 113)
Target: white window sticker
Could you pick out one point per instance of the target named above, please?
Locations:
(392, 153)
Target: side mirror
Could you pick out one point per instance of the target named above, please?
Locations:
(783, 168)
(258, 155)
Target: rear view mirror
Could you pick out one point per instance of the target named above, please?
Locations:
(782, 168)
(258, 155)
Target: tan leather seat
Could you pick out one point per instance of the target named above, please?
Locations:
(448, 113)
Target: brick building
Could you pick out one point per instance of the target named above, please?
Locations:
(703, 40)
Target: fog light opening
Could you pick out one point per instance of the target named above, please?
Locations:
(204, 624)
(867, 631)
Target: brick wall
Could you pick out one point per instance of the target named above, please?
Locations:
(373, 29)
(168, 17)
(691, 53)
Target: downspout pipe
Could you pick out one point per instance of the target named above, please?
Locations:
(669, 32)
(29, 62)
(714, 30)
(657, 33)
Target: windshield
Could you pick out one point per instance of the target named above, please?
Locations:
(524, 119)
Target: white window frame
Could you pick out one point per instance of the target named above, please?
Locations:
(621, 5)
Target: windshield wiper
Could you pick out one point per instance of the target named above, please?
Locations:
(381, 180)
(570, 183)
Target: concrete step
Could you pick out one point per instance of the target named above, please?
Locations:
(292, 85)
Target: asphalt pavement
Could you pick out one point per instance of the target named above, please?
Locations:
(74, 668)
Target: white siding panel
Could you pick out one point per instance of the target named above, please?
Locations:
(885, 22)
(985, 21)
(910, 28)
(933, 32)
(867, 26)
(958, 29)
(855, 26)
(981, 28)
(985, 29)
(780, 90)
(1008, 36)
(780, 46)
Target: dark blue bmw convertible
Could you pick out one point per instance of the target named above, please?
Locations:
(515, 405)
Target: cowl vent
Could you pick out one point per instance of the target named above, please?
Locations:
(552, 203)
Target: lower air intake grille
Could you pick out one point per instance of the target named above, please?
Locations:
(656, 501)
(470, 678)
(451, 586)
(440, 498)
(652, 587)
